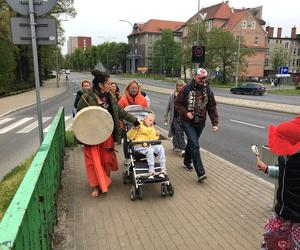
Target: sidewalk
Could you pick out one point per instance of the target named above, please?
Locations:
(48, 90)
(227, 211)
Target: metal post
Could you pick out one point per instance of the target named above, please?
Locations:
(57, 74)
(238, 62)
(36, 69)
(198, 17)
(133, 52)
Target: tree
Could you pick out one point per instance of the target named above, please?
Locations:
(222, 49)
(278, 58)
(167, 54)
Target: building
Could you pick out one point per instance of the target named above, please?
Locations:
(246, 23)
(79, 42)
(291, 45)
(141, 42)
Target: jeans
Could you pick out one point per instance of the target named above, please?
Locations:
(192, 150)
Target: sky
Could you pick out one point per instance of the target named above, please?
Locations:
(97, 18)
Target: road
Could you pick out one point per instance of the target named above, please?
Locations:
(239, 128)
(284, 99)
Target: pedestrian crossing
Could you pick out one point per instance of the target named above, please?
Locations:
(25, 125)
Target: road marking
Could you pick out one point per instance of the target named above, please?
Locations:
(248, 124)
(66, 119)
(6, 120)
(14, 125)
(32, 126)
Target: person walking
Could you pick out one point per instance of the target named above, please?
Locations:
(282, 230)
(172, 118)
(101, 159)
(85, 85)
(114, 88)
(132, 96)
(192, 103)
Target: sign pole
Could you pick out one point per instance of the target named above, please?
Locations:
(36, 69)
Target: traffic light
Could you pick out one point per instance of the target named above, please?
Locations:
(198, 54)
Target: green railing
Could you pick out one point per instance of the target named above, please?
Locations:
(29, 221)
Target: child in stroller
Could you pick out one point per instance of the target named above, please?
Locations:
(145, 144)
(147, 132)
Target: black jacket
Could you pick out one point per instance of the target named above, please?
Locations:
(288, 193)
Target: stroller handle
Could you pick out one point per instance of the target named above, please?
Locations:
(146, 143)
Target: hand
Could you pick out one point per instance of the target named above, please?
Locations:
(190, 115)
(157, 133)
(136, 123)
(261, 166)
(215, 128)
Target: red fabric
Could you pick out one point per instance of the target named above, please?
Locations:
(127, 100)
(284, 139)
(99, 161)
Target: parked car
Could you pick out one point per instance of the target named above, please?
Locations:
(250, 88)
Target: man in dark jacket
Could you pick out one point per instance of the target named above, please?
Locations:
(192, 103)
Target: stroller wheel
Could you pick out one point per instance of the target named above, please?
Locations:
(133, 193)
(163, 190)
(170, 189)
(139, 193)
(124, 177)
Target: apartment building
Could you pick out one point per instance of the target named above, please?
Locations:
(291, 45)
(78, 42)
(141, 42)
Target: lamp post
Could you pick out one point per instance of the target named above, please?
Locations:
(107, 41)
(133, 52)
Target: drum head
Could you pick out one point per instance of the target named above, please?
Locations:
(93, 125)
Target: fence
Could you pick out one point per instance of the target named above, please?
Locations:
(29, 221)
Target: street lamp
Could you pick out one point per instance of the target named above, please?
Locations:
(107, 40)
(133, 52)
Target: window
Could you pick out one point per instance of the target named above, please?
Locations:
(298, 62)
(209, 27)
(253, 25)
(149, 38)
(256, 41)
(149, 62)
(150, 50)
(266, 62)
(244, 24)
(298, 52)
(286, 45)
(267, 51)
(295, 51)
(294, 62)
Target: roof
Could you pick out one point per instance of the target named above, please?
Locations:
(156, 26)
(234, 19)
(217, 11)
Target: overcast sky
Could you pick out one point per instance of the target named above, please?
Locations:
(101, 17)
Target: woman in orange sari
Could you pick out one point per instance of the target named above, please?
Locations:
(101, 159)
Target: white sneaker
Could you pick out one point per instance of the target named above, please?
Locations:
(151, 175)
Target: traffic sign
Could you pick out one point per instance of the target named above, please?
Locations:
(45, 31)
(283, 70)
(198, 54)
(41, 7)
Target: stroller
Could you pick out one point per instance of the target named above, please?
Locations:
(136, 172)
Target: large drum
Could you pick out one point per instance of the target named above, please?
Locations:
(93, 125)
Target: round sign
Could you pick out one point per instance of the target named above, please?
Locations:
(199, 51)
(41, 7)
(93, 125)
